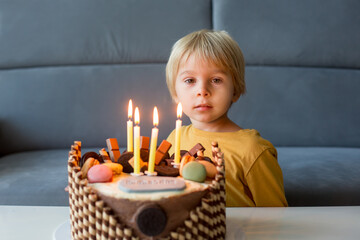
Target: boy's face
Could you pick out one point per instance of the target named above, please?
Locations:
(204, 90)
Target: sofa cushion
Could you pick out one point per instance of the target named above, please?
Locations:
(298, 106)
(293, 33)
(48, 33)
(320, 176)
(34, 178)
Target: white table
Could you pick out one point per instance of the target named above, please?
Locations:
(242, 223)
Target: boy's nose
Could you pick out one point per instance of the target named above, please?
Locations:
(203, 92)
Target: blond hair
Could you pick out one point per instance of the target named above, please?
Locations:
(214, 46)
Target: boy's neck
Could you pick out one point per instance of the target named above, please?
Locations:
(220, 125)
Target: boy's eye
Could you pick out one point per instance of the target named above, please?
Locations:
(189, 80)
(216, 80)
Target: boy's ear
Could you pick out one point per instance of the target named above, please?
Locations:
(235, 97)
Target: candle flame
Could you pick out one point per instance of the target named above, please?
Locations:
(155, 117)
(179, 110)
(137, 116)
(130, 109)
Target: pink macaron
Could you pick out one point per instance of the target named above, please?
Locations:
(99, 174)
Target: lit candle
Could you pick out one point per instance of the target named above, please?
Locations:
(177, 134)
(130, 129)
(137, 142)
(153, 143)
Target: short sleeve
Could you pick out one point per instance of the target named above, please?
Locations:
(265, 181)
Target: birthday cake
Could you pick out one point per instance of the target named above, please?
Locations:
(108, 201)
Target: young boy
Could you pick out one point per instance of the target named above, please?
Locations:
(205, 72)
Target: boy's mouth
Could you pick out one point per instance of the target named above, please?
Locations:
(202, 107)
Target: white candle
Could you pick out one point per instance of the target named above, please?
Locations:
(153, 143)
(177, 134)
(137, 142)
(130, 129)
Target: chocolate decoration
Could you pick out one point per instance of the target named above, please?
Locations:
(163, 163)
(195, 149)
(143, 168)
(144, 142)
(144, 155)
(124, 161)
(168, 161)
(182, 153)
(89, 155)
(151, 220)
(166, 156)
(162, 151)
(169, 171)
(113, 147)
(104, 155)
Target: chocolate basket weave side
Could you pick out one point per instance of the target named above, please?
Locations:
(90, 218)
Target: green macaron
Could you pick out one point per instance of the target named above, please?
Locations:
(194, 171)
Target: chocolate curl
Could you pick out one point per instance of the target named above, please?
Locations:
(104, 155)
(113, 147)
(161, 151)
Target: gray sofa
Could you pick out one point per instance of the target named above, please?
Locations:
(68, 69)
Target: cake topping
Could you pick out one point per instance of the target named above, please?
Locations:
(104, 155)
(115, 167)
(150, 184)
(193, 152)
(184, 160)
(194, 171)
(87, 165)
(144, 142)
(113, 147)
(99, 174)
(182, 153)
(90, 155)
(162, 151)
(167, 171)
(124, 161)
(210, 168)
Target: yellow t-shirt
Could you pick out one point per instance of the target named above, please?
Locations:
(253, 175)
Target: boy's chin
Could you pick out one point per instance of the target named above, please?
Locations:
(201, 121)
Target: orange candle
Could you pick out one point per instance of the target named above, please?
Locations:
(153, 143)
(137, 142)
(177, 134)
(130, 128)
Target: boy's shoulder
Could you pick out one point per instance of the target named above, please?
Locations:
(254, 139)
(250, 141)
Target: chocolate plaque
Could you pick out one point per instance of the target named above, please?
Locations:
(151, 184)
